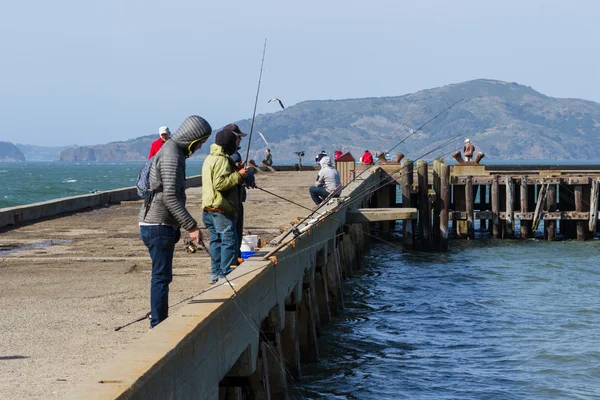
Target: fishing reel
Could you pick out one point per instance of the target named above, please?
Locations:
(190, 246)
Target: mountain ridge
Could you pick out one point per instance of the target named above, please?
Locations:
(505, 120)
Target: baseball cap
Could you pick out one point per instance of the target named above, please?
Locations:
(235, 129)
(164, 130)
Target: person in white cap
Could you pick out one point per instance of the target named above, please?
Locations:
(468, 150)
(164, 134)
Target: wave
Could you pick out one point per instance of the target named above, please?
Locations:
(70, 180)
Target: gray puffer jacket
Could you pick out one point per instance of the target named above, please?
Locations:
(167, 176)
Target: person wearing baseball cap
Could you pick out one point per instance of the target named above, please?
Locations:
(164, 134)
(235, 129)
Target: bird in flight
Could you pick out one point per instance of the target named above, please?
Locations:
(277, 100)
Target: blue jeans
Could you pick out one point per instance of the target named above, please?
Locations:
(160, 241)
(223, 242)
(318, 194)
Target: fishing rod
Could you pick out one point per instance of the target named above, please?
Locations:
(338, 189)
(396, 131)
(421, 127)
(256, 102)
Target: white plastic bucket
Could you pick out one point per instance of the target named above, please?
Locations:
(245, 247)
(249, 242)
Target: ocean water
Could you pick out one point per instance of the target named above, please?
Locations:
(31, 182)
(491, 319)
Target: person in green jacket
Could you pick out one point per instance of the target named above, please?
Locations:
(220, 202)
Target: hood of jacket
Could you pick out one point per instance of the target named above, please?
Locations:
(216, 150)
(193, 130)
(325, 162)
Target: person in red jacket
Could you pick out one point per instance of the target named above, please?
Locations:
(367, 158)
(164, 134)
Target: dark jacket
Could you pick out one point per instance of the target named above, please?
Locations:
(249, 181)
(167, 176)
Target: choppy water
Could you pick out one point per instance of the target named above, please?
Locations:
(489, 320)
(31, 182)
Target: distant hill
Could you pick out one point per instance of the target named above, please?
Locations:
(504, 120)
(10, 153)
(41, 153)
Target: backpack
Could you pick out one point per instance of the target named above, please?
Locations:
(367, 158)
(143, 181)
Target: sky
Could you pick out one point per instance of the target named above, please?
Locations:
(79, 72)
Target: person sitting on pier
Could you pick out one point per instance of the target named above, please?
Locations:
(328, 182)
(319, 156)
(366, 158)
(268, 161)
(164, 134)
(220, 202)
(468, 150)
(164, 212)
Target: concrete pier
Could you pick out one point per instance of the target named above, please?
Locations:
(67, 282)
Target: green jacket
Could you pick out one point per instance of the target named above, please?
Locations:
(219, 182)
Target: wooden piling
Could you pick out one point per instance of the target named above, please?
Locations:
(510, 195)
(495, 199)
(444, 206)
(592, 222)
(469, 207)
(435, 232)
(550, 225)
(424, 214)
(525, 224)
(483, 206)
(578, 193)
(408, 240)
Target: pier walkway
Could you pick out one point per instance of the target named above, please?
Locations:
(67, 282)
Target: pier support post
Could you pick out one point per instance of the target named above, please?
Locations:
(525, 224)
(444, 205)
(469, 207)
(424, 207)
(272, 327)
(435, 231)
(290, 343)
(307, 327)
(334, 280)
(383, 201)
(483, 206)
(578, 189)
(510, 202)
(595, 191)
(322, 287)
(460, 204)
(407, 177)
(550, 225)
(495, 199)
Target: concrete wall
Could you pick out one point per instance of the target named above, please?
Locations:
(187, 355)
(31, 212)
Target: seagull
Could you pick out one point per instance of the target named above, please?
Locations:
(263, 138)
(279, 101)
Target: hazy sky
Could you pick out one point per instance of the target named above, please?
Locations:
(81, 72)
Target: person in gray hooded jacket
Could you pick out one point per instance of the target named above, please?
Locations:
(161, 217)
(328, 181)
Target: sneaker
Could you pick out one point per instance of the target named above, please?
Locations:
(213, 281)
